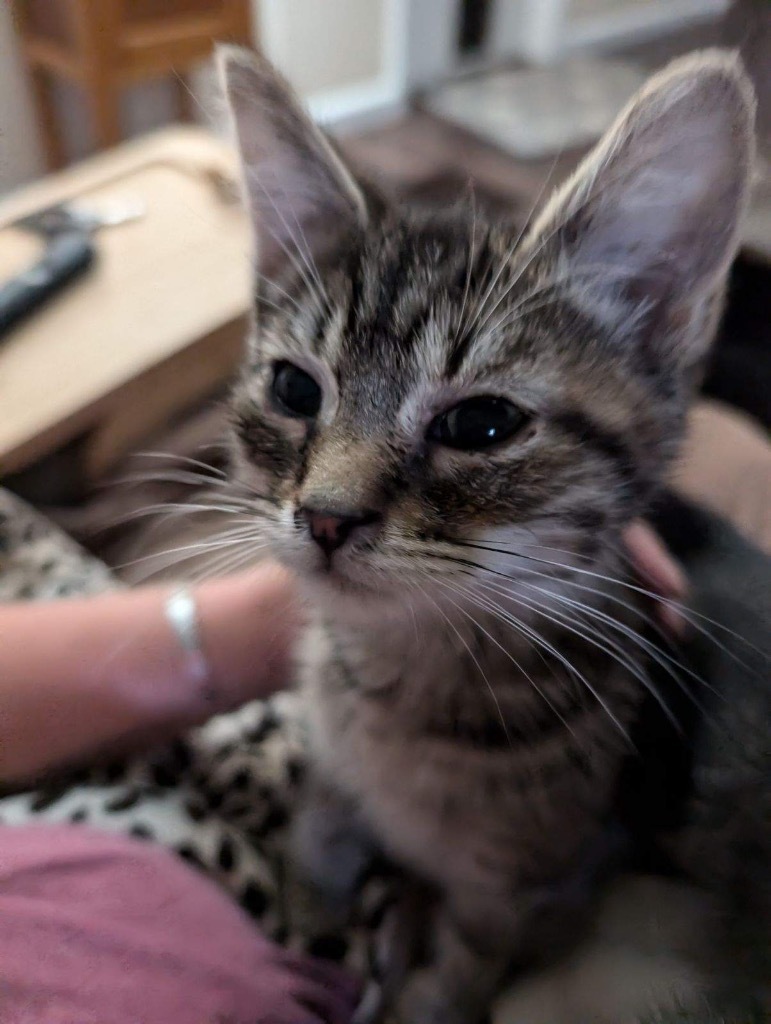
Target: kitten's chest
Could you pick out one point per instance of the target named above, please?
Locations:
(462, 768)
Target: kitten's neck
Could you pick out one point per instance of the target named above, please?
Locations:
(437, 641)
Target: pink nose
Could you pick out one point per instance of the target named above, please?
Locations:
(330, 530)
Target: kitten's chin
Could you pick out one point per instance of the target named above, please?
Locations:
(333, 579)
(348, 575)
(345, 599)
(348, 580)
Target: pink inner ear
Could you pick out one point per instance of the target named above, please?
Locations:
(675, 204)
(301, 196)
(663, 192)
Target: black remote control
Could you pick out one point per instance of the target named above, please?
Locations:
(66, 257)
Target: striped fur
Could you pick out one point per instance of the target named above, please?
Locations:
(472, 666)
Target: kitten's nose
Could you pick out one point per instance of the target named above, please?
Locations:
(330, 530)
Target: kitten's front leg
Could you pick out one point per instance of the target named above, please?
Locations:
(481, 937)
(330, 851)
(475, 941)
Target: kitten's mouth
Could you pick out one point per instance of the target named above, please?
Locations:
(334, 571)
(344, 582)
(343, 573)
(333, 581)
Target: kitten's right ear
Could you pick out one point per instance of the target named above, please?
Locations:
(654, 212)
(301, 196)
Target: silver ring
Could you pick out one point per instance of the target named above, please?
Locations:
(182, 615)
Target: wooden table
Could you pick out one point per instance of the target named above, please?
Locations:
(154, 327)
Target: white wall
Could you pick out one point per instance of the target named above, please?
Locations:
(592, 7)
(544, 31)
(348, 58)
(324, 45)
(432, 41)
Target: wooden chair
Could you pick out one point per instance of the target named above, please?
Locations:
(105, 45)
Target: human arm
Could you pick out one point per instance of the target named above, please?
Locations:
(84, 677)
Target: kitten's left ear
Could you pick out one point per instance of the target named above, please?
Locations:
(300, 193)
(650, 220)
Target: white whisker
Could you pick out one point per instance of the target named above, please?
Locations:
(613, 650)
(474, 658)
(688, 614)
(480, 306)
(227, 539)
(556, 653)
(302, 271)
(186, 459)
(463, 592)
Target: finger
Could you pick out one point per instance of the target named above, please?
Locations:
(659, 570)
(653, 562)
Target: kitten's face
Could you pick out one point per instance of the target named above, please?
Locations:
(440, 393)
(424, 389)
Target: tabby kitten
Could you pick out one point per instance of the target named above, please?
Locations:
(448, 426)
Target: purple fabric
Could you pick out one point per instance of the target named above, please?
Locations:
(96, 929)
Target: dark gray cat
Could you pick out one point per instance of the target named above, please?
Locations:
(451, 425)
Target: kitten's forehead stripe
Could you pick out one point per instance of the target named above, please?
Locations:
(479, 266)
(405, 295)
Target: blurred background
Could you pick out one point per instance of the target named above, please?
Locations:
(77, 75)
(124, 280)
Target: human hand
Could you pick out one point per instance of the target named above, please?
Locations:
(248, 624)
(658, 572)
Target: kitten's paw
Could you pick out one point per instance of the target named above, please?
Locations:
(371, 1009)
(424, 1001)
(329, 854)
(312, 911)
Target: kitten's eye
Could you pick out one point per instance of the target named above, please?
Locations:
(295, 391)
(476, 423)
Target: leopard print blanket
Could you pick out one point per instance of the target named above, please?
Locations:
(220, 797)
